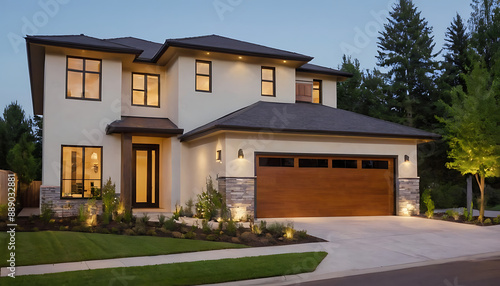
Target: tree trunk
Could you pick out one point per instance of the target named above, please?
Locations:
(480, 182)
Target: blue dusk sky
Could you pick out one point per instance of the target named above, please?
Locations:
(324, 29)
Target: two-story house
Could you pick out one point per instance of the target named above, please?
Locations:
(160, 118)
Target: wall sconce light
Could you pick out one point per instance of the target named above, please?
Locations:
(240, 154)
(218, 155)
(407, 158)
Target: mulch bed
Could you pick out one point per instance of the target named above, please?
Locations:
(461, 219)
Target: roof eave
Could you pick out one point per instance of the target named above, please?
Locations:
(342, 74)
(82, 46)
(137, 130)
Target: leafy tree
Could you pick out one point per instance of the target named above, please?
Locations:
(406, 49)
(21, 160)
(13, 126)
(472, 129)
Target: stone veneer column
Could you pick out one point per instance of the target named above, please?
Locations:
(408, 196)
(62, 207)
(239, 195)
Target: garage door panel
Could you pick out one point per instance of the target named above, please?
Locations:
(294, 191)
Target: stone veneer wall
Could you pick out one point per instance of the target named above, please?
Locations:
(62, 207)
(408, 196)
(239, 195)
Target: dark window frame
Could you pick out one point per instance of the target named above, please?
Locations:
(282, 162)
(312, 163)
(145, 89)
(83, 71)
(209, 75)
(320, 89)
(83, 170)
(265, 80)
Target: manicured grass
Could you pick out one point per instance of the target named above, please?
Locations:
(188, 273)
(63, 246)
(495, 208)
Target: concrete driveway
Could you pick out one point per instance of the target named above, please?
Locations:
(370, 244)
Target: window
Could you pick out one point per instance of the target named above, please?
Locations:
(203, 76)
(146, 89)
(268, 81)
(313, 163)
(317, 96)
(81, 171)
(83, 78)
(347, 164)
(275, 162)
(375, 164)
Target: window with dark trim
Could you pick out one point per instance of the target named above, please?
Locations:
(276, 162)
(313, 163)
(81, 171)
(146, 89)
(83, 78)
(374, 164)
(268, 81)
(317, 95)
(203, 76)
(344, 164)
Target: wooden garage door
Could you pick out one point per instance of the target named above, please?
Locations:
(309, 186)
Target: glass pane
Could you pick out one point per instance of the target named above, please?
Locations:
(349, 164)
(316, 84)
(313, 163)
(138, 97)
(75, 64)
(267, 88)
(153, 176)
(153, 86)
(276, 162)
(75, 84)
(92, 85)
(267, 74)
(138, 81)
(72, 171)
(93, 163)
(374, 164)
(202, 68)
(92, 187)
(68, 186)
(315, 97)
(202, 83)
(141, 179)
(93, 65)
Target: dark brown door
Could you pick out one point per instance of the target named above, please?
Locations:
(309, 186)
(145, 181)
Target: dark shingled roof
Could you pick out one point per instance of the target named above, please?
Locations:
(310, 68)
(143, 125)
(83, 42)
(221, 44)
(306, 118)
(150, 49)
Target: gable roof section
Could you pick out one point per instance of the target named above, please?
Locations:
(143, 125)
(83, 42)
(311, 68)
(149, 49)
(306, 118)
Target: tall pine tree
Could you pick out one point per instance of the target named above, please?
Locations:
(406, 50)
(485, 31)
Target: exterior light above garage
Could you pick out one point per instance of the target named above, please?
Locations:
(407, 158)
(240, 154)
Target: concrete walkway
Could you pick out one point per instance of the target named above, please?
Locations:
(355, 245)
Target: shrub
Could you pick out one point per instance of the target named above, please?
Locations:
(144, 219)
(206, 227)
(263, 225)
(129, 231)
(468, 216)
(4, 211)
(115, 230)
(151, 232)
(429, 204)
(92, 212)
(445, 217)
(289, 231)
(256, 229)
(109, 200)
(211, 237)
(276, 229)
(177, 212)
(487, 221)
(231, 228)
(82, 213)
(35, 229)
(190, 235)
(170, 224)
(102, 230)
(452, 213)
(248, 237)
(188, 210)
(301, 234)
(140, 226)
(62, 227)
(496, 220)
(161, 219)
(46, 212)
(128, 217)
(209, 202)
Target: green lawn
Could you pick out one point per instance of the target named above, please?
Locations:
(495, 208)
(63, 246)
(188, 273)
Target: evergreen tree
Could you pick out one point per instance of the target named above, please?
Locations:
(406, 49)
(21, 161)
(12, 127)
(38, 134)
(485, 31)
(348, 92)
(375, 100)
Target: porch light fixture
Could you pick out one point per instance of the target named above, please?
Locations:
(407, 158)
(240, 154)
(218, 156)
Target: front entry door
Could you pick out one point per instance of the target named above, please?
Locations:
(145, 175)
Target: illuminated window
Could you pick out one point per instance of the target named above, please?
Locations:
(268, 81)
(146, 89)
(317, 92)
(203, 76)
(83, 78)
(81, 172)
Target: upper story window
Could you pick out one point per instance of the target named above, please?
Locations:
(317, 94)
(146, 89)
(203, 76)
(268, 85)
(83, 78)
(81, 171)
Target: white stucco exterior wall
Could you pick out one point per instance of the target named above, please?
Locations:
(329, 86)
(80, 122)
